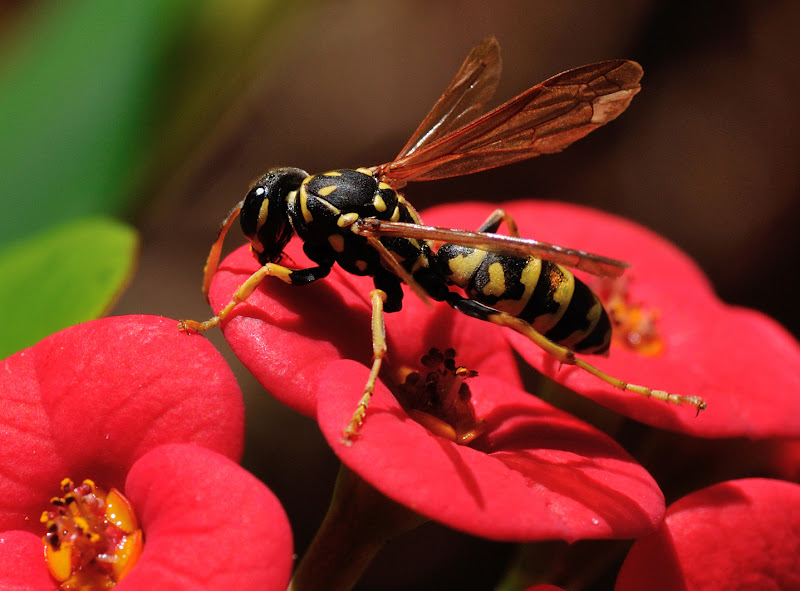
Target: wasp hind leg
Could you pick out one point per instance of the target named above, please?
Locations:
(378, 298)
(494, 220)
(563, 354)
(285, 274)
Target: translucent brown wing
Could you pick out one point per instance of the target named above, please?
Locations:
(464, 100)
(544, 119)
(507, 245)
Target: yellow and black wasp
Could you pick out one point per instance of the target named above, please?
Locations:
(359, 220)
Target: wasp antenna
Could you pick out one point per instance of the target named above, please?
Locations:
(212, 262)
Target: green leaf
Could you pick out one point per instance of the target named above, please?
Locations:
(62, 276)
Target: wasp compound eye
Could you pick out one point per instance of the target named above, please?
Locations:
(265, 220)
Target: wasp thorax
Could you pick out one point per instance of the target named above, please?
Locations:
(264, 217)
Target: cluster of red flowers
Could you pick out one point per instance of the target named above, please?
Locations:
(132, 404)
(128, 401)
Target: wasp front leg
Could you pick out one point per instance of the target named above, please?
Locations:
(378, 298)
(563, 354)
(285, 274)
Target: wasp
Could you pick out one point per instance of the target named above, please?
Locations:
(359, 219)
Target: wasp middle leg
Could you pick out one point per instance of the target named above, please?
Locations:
(378, 298)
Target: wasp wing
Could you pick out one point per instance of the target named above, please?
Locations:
(544, 119)
(499, 243)
(463, 100)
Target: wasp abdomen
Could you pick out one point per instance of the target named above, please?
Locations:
(542, 293)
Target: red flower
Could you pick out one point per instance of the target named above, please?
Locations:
(741, 534)
(739, 361)
(286, 335)
(105, 400)
(535, 473)
(742, 363)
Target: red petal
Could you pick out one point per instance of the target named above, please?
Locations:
(286, 334)
(538, 473)
(208, 525)
(741, 362)
(91, 399)
(22, 566)
(742, 534)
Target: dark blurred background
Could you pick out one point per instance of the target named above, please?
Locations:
(707, 155)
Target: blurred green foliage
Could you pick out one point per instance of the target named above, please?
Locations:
(62, 276)
(76, 93)
(98, 101)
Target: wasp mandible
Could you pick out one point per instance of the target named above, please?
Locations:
(359, 220)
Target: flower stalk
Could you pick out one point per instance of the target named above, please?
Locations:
(360, 520)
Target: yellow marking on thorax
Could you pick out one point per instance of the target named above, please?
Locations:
(395, 215)
(463, 267)
(378, 203)
(384, 186)
(347, 219)
(337, 242)
(327, 190)
(304, 203)
(332, 173)
(402, 201)
(365, 171)
(331, 207)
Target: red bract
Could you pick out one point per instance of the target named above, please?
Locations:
(536, 472)
(741, 534)
(103, 400)
(741, 362)
(286, 335)
(212, 525)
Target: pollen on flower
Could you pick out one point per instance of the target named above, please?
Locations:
(635, 326)
(439, 398)
(93, 538)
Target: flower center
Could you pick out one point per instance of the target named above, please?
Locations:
(635, 326)
(93, 538)
(439, 398)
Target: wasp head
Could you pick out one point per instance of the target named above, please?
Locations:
(265, 217)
